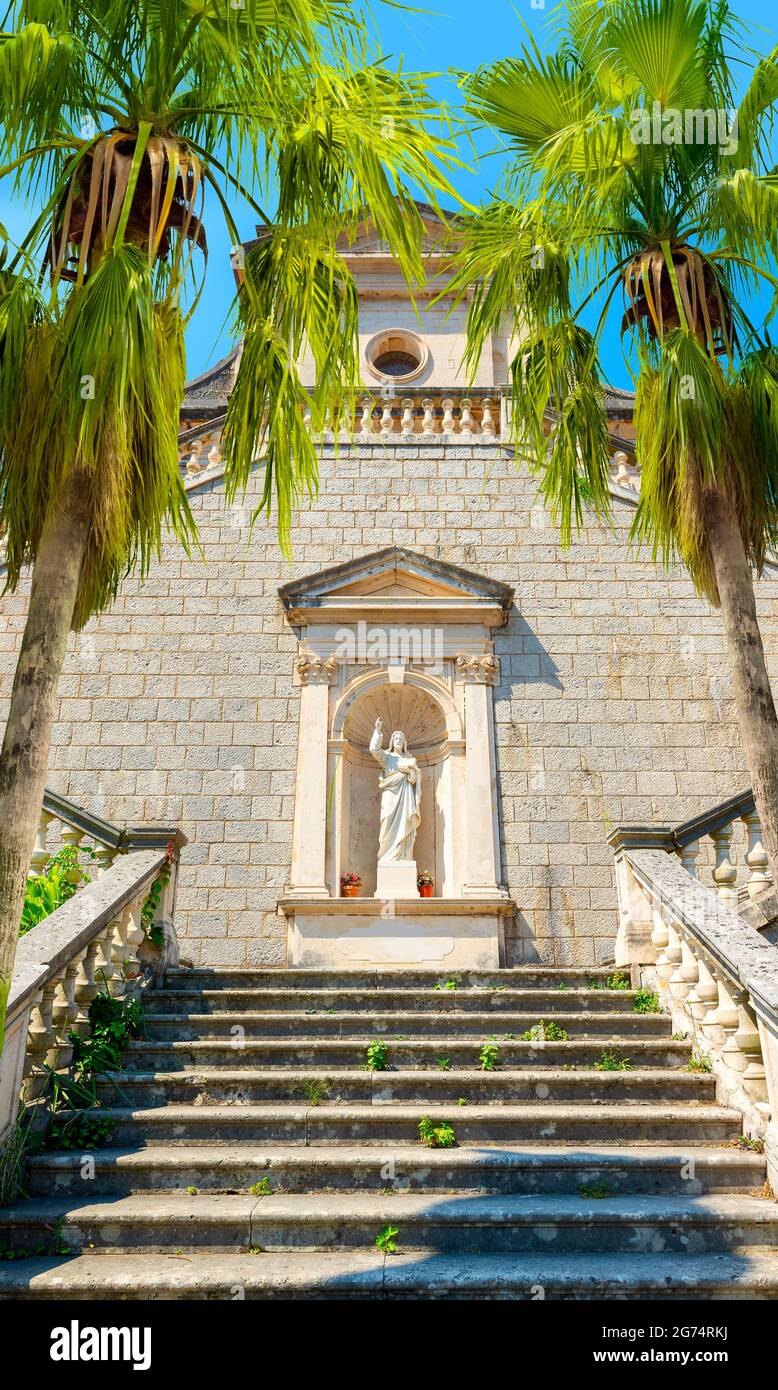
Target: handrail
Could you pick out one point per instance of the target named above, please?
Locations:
(714, 973)
(44, 952)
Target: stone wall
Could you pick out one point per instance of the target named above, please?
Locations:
(614, 703)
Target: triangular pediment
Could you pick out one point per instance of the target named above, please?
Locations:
(399, 579)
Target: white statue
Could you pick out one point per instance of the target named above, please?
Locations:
(400, 796)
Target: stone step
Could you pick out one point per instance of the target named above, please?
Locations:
(414, 1053)
(522, 976)
(541, 1003)
(525, 1169)
(447, 1224)
(220, 1086)
(367, 1275)
(612, 1027)
(382, 1124)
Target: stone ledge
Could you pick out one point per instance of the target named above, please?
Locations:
(403, 907)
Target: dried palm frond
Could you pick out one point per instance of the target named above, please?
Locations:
(147, 187)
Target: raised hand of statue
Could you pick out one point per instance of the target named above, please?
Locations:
(379, 724)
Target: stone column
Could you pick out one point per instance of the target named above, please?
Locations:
(309, 838)
(482, 856)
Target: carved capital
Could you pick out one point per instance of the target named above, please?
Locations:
(314, 670)
(483, 670)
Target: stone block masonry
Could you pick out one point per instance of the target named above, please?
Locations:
(614, 702)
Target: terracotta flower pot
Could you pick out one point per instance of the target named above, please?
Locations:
(426, 890)
(350, 890)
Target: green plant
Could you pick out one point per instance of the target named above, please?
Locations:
(62, 876)
(561, 985)
(192, 1191)
(610, 1061)
(316, 1091)
(113, 1023)
(462, 1100)
(439, 1136)
(80, 1130)
(447, 984)
(599, 1191)
(743, 1141)
(13, 1151)
(699, 1061)
(646, 1001)
(376, 1057)
(545, 1032)
(443, 1064)
(615, 981)
(385, 1240)
(261, 1188)
(487, 1057)
(680, 1037)
(154, 930)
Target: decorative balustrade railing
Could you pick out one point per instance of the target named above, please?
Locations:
(95, 940)
(72, 824)
(715, 974)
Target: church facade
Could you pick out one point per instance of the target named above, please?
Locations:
(546, 695)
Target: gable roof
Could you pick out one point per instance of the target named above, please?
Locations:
(394, 581)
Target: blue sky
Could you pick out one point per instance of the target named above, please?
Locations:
(457, 35)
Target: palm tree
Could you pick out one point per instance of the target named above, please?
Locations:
(121, 115)
(629, 174)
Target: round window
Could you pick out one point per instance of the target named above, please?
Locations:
(396, 355)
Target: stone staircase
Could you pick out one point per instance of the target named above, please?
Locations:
(566, 1181)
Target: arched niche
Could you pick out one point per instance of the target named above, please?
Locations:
(427, 715)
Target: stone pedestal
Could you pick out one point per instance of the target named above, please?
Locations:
(396, 880)
(439, 933)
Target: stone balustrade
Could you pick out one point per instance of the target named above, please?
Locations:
(94, 941)
(65, 822)
(715, 974)
(90, 943)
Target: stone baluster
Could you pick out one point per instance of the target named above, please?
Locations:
(659, 933)
(87, 986)
(428, 422)
(118, 949)
(40, 854)
(366, 427)
(466, 421)
(759, 876)
(406, 423)
(624, 477)
(669, 959)
(725, 1015)
(684, 977)
(487, 419)
(688, 856)
(742, 1051)
(41, 1040)
(103, 961)
(214, 456)
(135, 935)
(749, 1042)
(386, 420)
(71, 839)
(104, 855)
(725, 872)
(193, 466)
(65, 1011)
(447, 426)
(705, 995)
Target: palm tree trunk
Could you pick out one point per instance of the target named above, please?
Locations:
(753, 697)
(25, 751)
